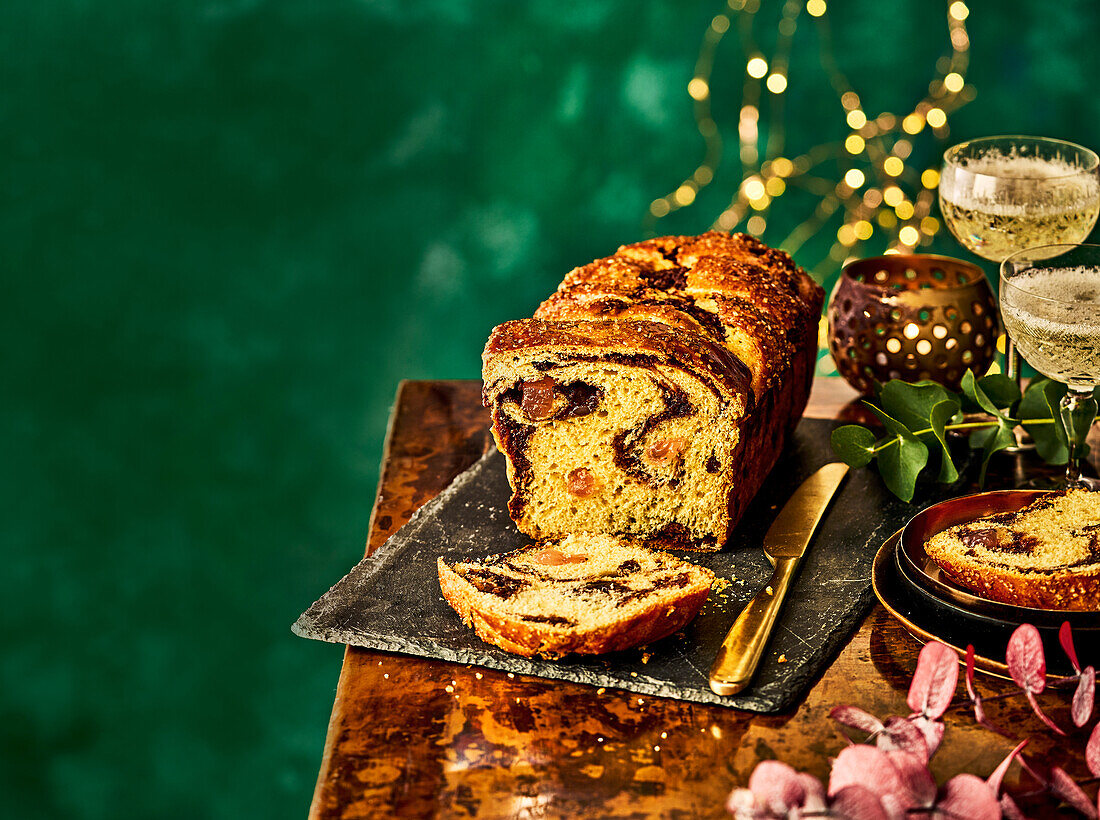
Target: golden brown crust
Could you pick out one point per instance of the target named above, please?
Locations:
(713, 273)
(1071, 591)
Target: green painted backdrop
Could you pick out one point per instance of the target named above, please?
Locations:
(230, 227)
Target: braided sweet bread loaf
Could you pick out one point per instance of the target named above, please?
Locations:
(652, 393)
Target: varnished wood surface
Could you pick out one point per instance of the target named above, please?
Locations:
(413, 737)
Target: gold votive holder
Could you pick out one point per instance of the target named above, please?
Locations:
(911, 317)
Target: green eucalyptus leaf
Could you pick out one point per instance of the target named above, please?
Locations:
(925, 408)
(1038, 411)
(1000, 389)
(854, 445)
(901, 456)
(974, 391)
(912, 404)
(941, 414)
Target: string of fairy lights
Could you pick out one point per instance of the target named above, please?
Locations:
(879, 190)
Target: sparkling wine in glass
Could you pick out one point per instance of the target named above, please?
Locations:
(1000, 195)
(1050, 306)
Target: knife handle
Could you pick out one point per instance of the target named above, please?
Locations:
(745, 642)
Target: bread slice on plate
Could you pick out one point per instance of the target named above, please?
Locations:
(1044, 556)
(582, 593)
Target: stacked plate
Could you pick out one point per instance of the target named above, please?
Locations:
(932, 607)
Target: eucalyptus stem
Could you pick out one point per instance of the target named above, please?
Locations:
(964, 425)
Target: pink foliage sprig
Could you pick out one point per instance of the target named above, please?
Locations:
(887, 776)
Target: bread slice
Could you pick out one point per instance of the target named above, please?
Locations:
(584, 593)
(1045, 556)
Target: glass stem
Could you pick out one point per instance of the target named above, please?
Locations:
(1077, 409)
(1012, 361)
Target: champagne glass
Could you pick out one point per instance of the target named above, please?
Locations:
(1050, 306)
(1000, 195)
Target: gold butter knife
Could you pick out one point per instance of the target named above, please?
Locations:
(786, 542)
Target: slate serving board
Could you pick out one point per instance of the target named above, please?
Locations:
(391, 600)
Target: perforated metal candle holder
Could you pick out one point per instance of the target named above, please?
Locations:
(911, 318)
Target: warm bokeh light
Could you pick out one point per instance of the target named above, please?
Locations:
(856, 118)
(893, 166)
(854, 144)
(698, 88)
(893, 196)
(959, 11)
(954, 82)
(930, 178)
(936, 117)
(757, 67)
(815, 8)
(754, 188)
(782, 166)
(909, 235)
(854, 178)
(777, 83)
(912, 124)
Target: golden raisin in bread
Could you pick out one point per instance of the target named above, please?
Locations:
(652, 393)
(1045, 556)
(584, 594)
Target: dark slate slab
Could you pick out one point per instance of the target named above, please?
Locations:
(391, 600)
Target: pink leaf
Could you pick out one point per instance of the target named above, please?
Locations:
(1084, 697)
(1040, 713)
(934, 681)
(1009, 809)
(899, 734)
(915, 778)
(780, 787)
(1064, 787)
(994, 780)
(856, 718)
(1092, 751)
(1065, 637)
(1026, 662)
(968, 796)
(932, 731)
(865, 766)
(857, 803)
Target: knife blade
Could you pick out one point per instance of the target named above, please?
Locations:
(785, 544)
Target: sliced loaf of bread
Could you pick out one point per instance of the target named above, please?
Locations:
(1045, 556)
(582, 593)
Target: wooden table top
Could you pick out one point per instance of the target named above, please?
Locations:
(413, 737)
